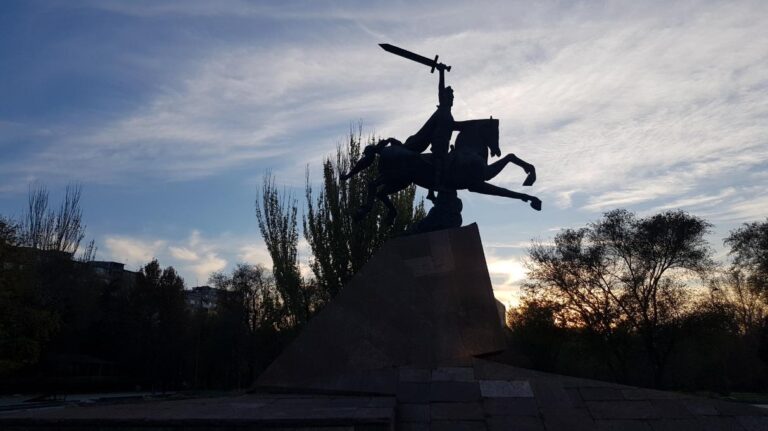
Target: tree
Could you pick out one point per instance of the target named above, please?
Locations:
(535, 331)
(253, 293)
(745, 290)
(341, 246)
(276, 216)
(26, 322)
(59, 230)
(737, 292)
(250, 311)
(623, 271)
(749, 248)
(9, 233)
(159, 322)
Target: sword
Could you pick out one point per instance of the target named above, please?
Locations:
(413, 56)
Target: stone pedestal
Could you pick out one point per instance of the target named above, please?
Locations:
(422, 300)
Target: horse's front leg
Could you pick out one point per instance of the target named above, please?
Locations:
(490, 189)
(494, 168)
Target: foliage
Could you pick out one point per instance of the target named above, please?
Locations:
(536, 331)
(736, 293)
(26, 323)
(159, 310)
(253, 293)
(251, 310)
(9, 234)
(341, 246)
(276, 216)
(749, 248)
(624, 273)
(36, 276)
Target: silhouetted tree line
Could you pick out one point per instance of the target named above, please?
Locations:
(639, 300)
(65, 326)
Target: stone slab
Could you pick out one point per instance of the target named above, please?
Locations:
(456, 411)
(505, 388)
(510, 407)
(413, 412)
(454, 391)
(455, 374)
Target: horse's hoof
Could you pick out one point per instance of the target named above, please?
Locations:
(536, 203)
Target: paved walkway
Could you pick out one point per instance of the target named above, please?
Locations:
(470, 394)
(491, 396)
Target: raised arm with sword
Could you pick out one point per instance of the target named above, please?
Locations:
(439, 127)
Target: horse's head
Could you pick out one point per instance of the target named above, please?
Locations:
(478, 136)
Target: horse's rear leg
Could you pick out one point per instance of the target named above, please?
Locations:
(490, 189)
(366, 207)
(383, 196)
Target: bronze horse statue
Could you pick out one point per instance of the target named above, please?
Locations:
(468, 167)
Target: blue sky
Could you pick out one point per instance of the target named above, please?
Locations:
(169, 113)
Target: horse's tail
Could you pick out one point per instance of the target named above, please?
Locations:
(369, 156)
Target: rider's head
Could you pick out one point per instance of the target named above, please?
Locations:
(446, 97)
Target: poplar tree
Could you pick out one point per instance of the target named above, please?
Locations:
(341, 246)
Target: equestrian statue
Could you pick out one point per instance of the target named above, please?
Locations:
(442, 172)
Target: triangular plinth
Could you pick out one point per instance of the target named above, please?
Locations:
(421, 300)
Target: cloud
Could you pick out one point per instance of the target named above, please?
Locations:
(183, 253)
(510, 269)
(507, 271)
(514, 245)
(199, 256)
(699, 201)
(131, 251)
(195, 256)
(205, 265)
(254, 254)
(747, 204)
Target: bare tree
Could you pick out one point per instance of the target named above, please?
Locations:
(46, 229)
(38, 221)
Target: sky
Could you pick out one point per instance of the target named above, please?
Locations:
(169, 113)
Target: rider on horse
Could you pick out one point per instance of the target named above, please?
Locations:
(437, 132)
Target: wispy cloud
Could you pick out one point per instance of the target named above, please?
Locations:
(616, 106)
